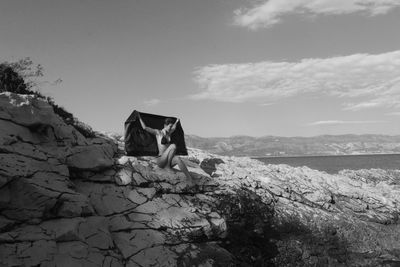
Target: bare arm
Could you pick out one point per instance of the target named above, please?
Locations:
(147, 129)
(173, 128)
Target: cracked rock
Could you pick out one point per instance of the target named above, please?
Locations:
(67, 200)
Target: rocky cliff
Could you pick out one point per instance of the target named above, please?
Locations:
(67, 200)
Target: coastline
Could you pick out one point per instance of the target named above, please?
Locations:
(81, 200)
(321, 155)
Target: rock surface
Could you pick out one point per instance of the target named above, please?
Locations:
(67, 200)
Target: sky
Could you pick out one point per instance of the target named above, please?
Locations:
(224, 67)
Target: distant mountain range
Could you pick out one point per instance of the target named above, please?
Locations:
(270, 146)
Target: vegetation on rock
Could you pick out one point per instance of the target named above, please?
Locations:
(21, 77)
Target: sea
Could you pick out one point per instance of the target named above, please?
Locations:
(333, 164)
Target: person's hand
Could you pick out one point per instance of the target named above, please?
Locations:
(141, 121)
(140, 118)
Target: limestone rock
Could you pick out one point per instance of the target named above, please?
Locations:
(92, 157)
(26, 110)
(67, 200)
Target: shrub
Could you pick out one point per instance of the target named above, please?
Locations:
(69, 119)
(11, 81)
(20, 77)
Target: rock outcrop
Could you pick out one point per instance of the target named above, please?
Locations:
(67, 200)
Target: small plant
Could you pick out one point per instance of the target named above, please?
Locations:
(21, 77)
(69, 119)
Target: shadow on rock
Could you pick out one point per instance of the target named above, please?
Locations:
(250, 234)
(301, 244)
(256, 238)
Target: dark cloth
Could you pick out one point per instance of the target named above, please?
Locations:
(138, 142)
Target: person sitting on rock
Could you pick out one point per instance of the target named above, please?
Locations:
(166, 150)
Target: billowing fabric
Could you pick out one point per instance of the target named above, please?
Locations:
(138, 142)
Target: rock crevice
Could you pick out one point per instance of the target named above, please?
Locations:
(68, 200)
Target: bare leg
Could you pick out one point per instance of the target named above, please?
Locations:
(171, 155)
(182, 167)
(163, 160)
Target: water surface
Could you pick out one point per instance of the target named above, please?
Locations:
(333, 164)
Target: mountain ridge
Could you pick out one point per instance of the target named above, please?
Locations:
(346, 144)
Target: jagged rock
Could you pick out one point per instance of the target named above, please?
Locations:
(124, 177)
(136, 197)
(90, 158)
(42, 195)
(67, 200)
(27, 253)
(26, 110)
(15, 165)
(82, 241)
(106, 199)
(39, 117)
(208, 254)
(209, 165)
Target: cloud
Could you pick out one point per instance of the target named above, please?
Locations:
(152, 102)
(362, 80)
(270, 12)
(266, 104)
(360, 106)
(338, 122)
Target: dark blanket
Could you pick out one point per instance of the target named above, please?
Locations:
(138, 142)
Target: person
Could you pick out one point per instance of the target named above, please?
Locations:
(166, 158)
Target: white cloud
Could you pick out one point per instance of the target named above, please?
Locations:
(362, 80)
(270, 12)
(152, 102)
(266, 104)
(338, 122)
(363, 105)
